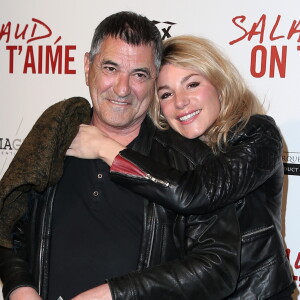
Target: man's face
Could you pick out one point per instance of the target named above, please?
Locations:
(121, 83)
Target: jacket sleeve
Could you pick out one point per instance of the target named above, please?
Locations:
(217, 180)
(14, 267)
(208, 271)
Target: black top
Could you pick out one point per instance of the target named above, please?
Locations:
(97, 228)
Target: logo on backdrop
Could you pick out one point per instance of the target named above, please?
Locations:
(164, 27)
(294, 259)
(26, 53)
(271, 60)
(8, 148)
(291, 162)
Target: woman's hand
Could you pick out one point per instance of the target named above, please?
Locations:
(22, 293)
(91, 143)
(101, 292)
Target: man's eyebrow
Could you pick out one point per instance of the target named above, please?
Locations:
(144, 70)
(109, 62)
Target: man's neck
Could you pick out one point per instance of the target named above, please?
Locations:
(124, 136)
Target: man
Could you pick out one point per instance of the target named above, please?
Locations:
(89, 238)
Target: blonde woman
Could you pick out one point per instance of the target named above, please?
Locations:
(201, 96)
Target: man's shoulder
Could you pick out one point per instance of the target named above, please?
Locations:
(65, 105)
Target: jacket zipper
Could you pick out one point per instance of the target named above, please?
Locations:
(247, 235)
(42, 245)
(146, 176)
(41, 250)
(152, 235)
(155, 180)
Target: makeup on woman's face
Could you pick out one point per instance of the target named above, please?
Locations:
(189, 102)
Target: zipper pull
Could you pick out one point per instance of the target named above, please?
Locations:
(164, 183)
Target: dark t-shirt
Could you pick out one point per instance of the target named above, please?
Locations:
(96, 232)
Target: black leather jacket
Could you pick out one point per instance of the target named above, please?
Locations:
(249, 174)
(181, 257)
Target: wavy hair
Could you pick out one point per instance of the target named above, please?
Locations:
(238, 103)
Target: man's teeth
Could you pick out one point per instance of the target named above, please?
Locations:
(117, 102)
(186, 117)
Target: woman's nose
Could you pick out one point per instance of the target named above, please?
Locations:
(181, 100)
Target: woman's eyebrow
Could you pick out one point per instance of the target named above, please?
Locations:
(183, 80)
(186, 78)
(162, 87)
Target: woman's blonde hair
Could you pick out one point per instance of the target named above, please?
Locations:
(238, 103)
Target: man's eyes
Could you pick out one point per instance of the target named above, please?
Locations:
(141, 76)
(109, 68)
(138, 75)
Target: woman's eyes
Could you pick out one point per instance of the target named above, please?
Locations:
(193, 84)
(188, 86)
(165, 96)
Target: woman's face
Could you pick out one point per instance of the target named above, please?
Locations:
(189, 102)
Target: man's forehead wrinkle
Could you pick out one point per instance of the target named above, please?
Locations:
(127, 57)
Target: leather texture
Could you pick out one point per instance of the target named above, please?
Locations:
(181, 257)
(249, 174)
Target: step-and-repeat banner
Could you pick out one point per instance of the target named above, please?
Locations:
(42, 45)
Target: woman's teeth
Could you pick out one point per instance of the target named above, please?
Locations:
(189, 116)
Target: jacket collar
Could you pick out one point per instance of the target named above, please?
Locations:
(142, 143)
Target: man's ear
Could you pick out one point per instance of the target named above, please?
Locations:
(86, 67)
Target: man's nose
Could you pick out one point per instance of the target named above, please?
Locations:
(122, 86)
